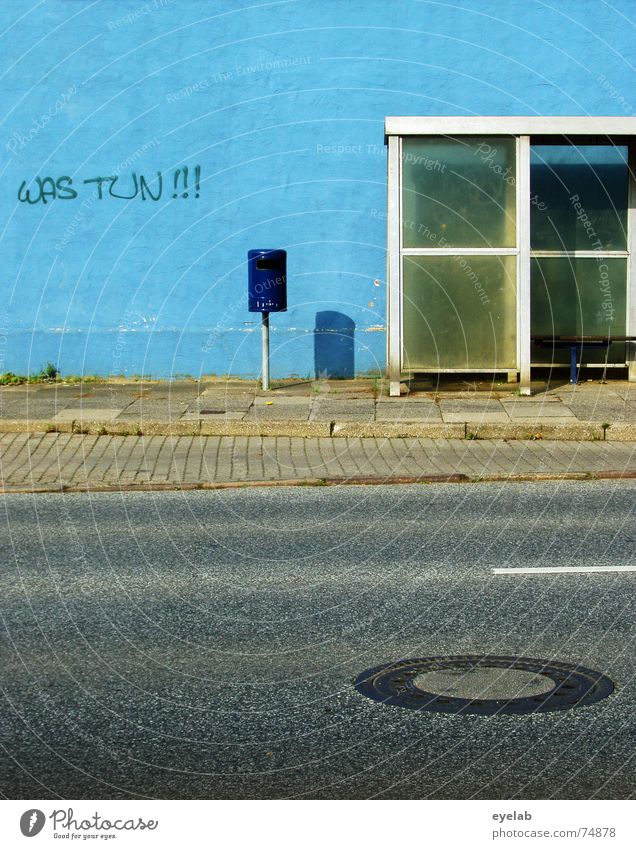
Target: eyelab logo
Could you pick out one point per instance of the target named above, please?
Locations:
(32, 822)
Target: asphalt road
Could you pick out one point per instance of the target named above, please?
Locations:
(204, 644)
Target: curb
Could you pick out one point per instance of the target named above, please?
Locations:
(458, 478)
(575, 431)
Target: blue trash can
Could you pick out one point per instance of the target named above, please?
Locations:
(267, 280)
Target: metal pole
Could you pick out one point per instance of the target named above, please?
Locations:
(573, 372)
(265, 328)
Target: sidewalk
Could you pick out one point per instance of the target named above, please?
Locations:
(305, 408)
(47, 462)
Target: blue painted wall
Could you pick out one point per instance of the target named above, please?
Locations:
(281, 104)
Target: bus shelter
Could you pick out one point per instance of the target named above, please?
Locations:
(510, 239)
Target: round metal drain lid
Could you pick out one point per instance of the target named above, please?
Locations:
(483, 685)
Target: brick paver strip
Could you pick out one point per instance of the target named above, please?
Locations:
(70, 460)
(43, 455)
(12, 455)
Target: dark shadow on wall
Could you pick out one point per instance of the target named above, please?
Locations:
(333, 345)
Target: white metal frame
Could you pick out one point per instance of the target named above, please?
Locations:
(394, 264)
(523, 263)
(510, 125)
(631, 263)
(522, 127)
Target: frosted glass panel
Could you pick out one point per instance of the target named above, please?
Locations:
(459, 312)
(579, 198)
(458, 193)
(578, 297)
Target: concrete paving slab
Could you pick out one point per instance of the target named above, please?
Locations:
(93, 390)
(155, 410)
(428, 415)
(209, 416)
(227, 386)
(281, 400)
(348, 403)
(343, 411)
(525, 400)
(413, 398)
(476, 416)
(173, 387)
(106, 414)
(538, 410)
(218, 405)
(96, 404)
(470, 404)
(584, 391)
(626, 413)
(542, 417)
(627, 393)
(298, 412)
(332, 415)
(31, 411)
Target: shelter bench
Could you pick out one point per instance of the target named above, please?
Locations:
(577, 344)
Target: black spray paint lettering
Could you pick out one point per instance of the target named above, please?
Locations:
(47, 187)
(138, 185)
(184, 178)
(44, 189)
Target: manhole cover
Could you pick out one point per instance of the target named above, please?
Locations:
(480, 684)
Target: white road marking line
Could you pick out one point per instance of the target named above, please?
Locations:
(547, 570)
